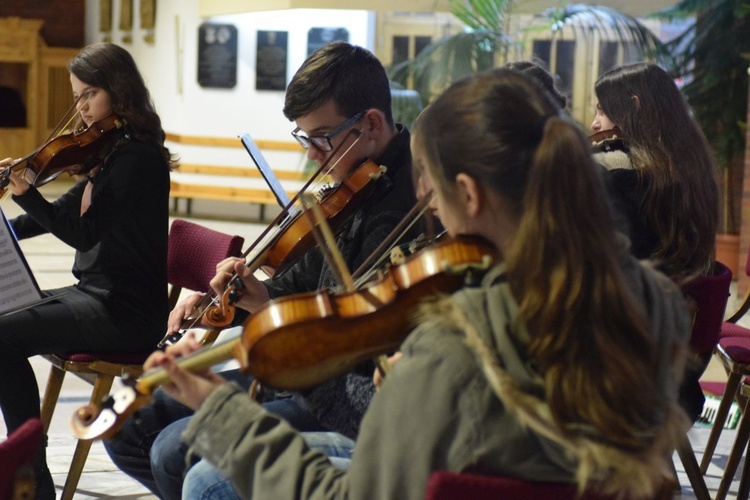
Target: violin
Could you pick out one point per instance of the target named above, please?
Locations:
(606, 141)
(75, 153)
(300, 341)
(293, 238)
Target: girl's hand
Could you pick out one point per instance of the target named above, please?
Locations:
(377, 379)
(189, 388)
(182, 311)
(17, 184)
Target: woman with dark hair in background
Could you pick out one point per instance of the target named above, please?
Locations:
(662, 179)
(667, 172)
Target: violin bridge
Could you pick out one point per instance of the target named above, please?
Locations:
(382, 169)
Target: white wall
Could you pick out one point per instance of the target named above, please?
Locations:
(169, 67)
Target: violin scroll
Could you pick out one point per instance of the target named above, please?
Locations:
(609, 140)
(221, 314)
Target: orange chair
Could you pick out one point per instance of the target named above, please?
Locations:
(17, 455)
(193, 253)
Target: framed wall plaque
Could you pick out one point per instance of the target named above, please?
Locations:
(126, 15)
(105, 15)
(317, 37)
(217, 55)
(148, 14)
(271, 60)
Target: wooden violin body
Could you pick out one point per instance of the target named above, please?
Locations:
(609, 140)
(336, 203)
(74, 153)
(296, 237)
(299, 341)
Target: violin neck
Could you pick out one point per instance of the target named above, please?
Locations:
(199, 360)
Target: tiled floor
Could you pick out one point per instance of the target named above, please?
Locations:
(51, 262)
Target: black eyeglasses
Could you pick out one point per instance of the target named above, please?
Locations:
(323, 142)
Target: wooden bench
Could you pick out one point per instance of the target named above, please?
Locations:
(255, 192)
(192, 181)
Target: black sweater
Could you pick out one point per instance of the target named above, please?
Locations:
(340, 403)
(121, 240)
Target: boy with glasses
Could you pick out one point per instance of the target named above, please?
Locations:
(338, 89)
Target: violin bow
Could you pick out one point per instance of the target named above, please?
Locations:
(332, 254)
(68, 117)
(262, 241)
(381, 253)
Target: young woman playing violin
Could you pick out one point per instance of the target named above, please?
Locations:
(117, 221)
(339, 93)
(661, 174)
(664, 175)
(561, 366)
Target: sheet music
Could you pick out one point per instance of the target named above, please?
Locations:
(18, 288)
(273, 182)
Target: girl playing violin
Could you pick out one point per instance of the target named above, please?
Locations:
(562, 366)
(661, 174)
(117, 221)
(664, 176)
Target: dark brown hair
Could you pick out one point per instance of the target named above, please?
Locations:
(674, 161)
(112, 68)
(349, 75)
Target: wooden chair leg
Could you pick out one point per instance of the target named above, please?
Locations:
(51, 393)
(733, 383)
(689, 462)
(102, 387)
(744, 489)
(740, 441)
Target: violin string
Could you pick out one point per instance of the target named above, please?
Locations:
(57, 130)
(332, 255)
(67, 118)
(327, 242)
(282, 221)
(285, 218)
(363, 273)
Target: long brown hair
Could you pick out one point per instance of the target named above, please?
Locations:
(112, 68)
(674, 161)
(590, 338)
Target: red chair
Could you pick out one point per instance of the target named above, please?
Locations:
(707, 297)
(444, 485)
(733, 351)
(193, 253)
(17, 455)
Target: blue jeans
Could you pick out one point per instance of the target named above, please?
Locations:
(204, 482)
(161, 470)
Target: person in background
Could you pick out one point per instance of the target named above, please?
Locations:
(666, 170)
(539, 73)
(563, 365)
(117, 221)
(662, 175)
(341, 91)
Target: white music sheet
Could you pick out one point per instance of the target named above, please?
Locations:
(18, 288)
